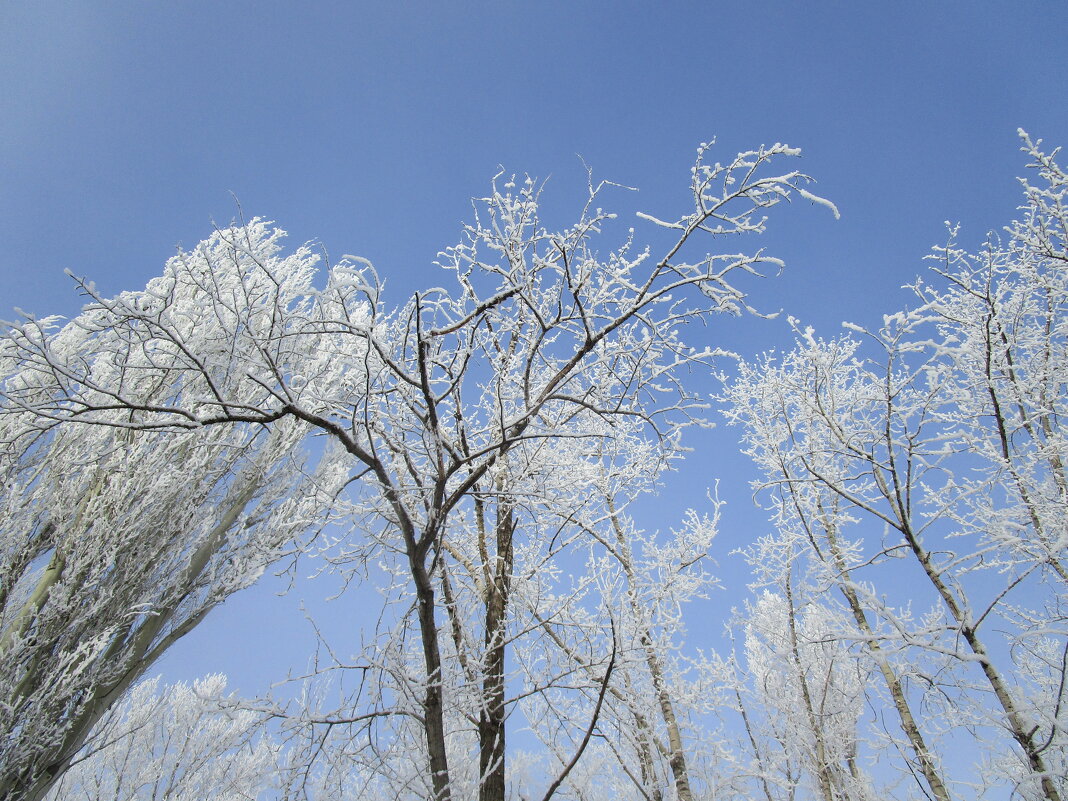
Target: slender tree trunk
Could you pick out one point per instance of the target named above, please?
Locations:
(822, 766)
(433, 706)
(644, 739)
(901, 704)
(1021, 731)
(491, 729)
(764, 772)
(677, 759)
(24, 618)
(893, 683)
(491, 723)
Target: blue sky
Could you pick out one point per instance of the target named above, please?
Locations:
(127, 127)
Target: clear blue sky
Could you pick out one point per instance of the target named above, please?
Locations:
(126, 125)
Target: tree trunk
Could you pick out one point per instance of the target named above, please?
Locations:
(433, 707)
(491, 728)
(677, 753)
(677, 761)
(1020, 729)
(893, 683)
(821, 766)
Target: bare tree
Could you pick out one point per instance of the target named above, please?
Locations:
(811, 535)
(540, 337)
(948, 437)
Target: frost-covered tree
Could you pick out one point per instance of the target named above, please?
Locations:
(929, 454)
(178, 742)
(117, 540)
(812, 538)
(650, 579)
(809, 690)
(436, 409)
